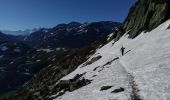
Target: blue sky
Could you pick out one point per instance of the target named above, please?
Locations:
(27, 14)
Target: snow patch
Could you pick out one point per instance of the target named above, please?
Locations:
(45, 50)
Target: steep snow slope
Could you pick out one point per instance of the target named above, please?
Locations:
(142, 73)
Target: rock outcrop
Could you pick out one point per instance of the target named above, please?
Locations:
(146, 15)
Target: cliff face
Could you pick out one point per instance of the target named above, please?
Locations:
(146, 15)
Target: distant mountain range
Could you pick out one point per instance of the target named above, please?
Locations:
(19, 32)
(72, 35)
(22, 57)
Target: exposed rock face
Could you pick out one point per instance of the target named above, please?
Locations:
(119, 31)
(70, 85)
(146, 15)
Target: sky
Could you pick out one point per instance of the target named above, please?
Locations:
(28, 14)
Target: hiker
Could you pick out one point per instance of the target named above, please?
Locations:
(122, 50)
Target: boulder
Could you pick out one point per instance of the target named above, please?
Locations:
(105, 88)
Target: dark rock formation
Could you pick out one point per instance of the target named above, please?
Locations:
(94, 59)
(119, 31)
(146, 15)
(105, 88)
(118, 90)
(70, 85)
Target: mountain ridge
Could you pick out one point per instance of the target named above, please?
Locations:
(67, 35)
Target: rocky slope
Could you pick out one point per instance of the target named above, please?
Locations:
(146, 15)
(44, 82)
(19, 63)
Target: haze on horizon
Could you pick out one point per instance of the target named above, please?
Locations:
(29, 14)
